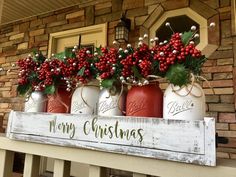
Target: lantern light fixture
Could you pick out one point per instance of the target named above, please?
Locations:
(122, 30)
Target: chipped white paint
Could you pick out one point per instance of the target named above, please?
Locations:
(177, 140)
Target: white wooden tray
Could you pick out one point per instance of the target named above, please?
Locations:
(177, 140)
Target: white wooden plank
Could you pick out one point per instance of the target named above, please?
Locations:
(43, 165)
(138, 175)
(6, 163)
(176, 140)
(94, 171)
(31, 167)
(148, 133)
(210, 144)
(61, 168)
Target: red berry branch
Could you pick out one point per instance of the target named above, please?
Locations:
(174, 59)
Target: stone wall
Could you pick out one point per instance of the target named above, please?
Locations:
(19, 38)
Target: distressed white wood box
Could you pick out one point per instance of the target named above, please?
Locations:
(176, 140)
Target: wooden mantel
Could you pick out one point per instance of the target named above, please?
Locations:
(140, 166)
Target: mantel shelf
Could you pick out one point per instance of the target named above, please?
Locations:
(149, 166)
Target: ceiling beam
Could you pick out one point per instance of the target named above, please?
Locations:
(1, 10)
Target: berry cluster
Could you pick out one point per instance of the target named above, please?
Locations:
(107, 62)
(27, 67)
(28, 74)
(168, 53)
(144, 58)
(132, 65)
(50, 72)
(70, 67)
(127, 64)
(84, 66)
(137, 64)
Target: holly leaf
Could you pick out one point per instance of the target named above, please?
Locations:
(40, 58)
(98, 50)
(69, 53)
(195, 64)
(107, 83)
(81, 72)
(23, 89)
(33, 76)
(73, 55)
(155, 69)
(34, 51)
(186, 36)
(136, 72)
(50, 89)
(177, 75)
(60, 55)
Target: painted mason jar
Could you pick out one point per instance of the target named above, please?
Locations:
(37, 102)
(60, 101)
(145, 101)
(185, 103)
(85, 99)
(111, 103)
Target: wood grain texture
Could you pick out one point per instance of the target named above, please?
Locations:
(184, 141)
(6, 163)
(138, 175)
(61, 168)
(31, 166)
(94, 171)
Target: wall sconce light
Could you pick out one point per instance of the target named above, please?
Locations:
(122, 29)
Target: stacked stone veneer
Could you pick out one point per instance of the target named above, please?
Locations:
(19, 38)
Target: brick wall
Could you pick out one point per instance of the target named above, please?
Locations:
(19, 38)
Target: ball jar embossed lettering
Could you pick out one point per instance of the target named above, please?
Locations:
(185, 103)
(37, 102)
(145, 101)
(111, 104)
(85, 99)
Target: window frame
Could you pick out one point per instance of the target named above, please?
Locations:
(101, 28)
(203, 45)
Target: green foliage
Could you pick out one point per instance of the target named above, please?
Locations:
(50, 89)
(81, 71)
(107, 83)
(23, 89)
(98, 50)
(155, 69)
(33, 77)
(194, 64)
(60, 56)
(136, 72)
(186, 37)
(177, 75)
(34, 51)
(40, 57)
(69, 53)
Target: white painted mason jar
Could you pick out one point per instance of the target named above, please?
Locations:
(111, 104)
(185, 103)
(85, 99)
(37, 102)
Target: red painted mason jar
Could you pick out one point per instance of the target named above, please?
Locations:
(59, 102)
(145, 101)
